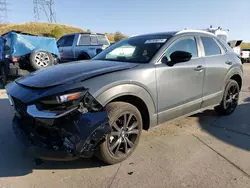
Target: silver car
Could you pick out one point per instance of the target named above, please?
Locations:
(101, 106)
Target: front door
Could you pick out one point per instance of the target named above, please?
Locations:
(180, 87)
(66, 48)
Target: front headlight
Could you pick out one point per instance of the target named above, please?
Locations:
(84, 100)
(62, 98)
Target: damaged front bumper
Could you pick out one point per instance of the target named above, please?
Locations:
(64, 137)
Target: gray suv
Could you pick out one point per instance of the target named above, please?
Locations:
(81, 46)
(101, 106)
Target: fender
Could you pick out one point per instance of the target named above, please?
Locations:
(130, 89)
(83, 52)
(233, 71)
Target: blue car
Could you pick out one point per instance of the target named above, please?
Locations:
(22, 53)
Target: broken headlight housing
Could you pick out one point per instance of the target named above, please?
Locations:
(83, 99)
(64, 98)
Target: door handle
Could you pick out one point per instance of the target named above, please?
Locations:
(199, 68)
(229, 62)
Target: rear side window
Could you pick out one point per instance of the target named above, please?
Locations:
(102, 40)
(84, 40)
(93, 39)
(222, 45)
(210, 46)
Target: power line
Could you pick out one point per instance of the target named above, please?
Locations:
(44, 7)
(3, 11)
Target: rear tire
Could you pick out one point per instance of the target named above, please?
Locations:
(3, 77)
(41, 60)
(230, 99)
(83, 56)
(126, 122)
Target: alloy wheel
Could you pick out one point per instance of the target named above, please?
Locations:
(125, 132)
(232, 97)
(42, 59)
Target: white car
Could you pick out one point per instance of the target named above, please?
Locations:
(245, 55)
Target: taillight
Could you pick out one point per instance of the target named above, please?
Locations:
(14, 59)
(241, 54)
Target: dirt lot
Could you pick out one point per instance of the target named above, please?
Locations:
(204, 150)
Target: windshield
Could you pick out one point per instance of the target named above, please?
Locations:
(139, 49)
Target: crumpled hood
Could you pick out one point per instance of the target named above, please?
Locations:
(70, 72)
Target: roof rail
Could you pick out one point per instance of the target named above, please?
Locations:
(90, 33)
(194, 31)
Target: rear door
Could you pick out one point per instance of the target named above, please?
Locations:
(83, 45)
(217, 64)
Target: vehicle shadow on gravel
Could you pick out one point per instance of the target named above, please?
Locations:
(233, 129)
(14, 159)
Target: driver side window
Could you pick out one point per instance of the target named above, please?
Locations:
(187, 44)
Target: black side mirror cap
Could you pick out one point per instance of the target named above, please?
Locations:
(180, 56)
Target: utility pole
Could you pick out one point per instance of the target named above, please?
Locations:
(3, 11)
(44, 7)
(36, 10)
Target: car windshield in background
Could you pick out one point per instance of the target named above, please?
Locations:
(139, 49)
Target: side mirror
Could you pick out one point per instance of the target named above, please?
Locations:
(164, 60)
(180, 56)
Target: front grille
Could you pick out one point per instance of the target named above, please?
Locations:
(20, 107)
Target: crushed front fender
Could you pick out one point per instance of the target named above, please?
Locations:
(87, 134)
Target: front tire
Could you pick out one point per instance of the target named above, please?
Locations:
(126, 123)
(230, 99)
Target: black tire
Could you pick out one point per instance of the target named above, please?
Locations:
(83, 56)
(230, 99)
(116, 112)
(3, 75)
(40, 60)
